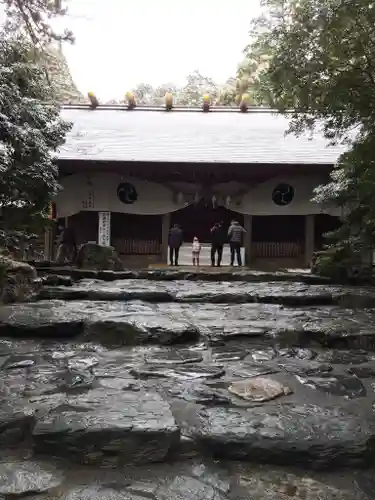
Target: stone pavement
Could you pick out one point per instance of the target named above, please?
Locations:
(157, 387)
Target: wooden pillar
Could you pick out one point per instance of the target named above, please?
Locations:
(309, 239)
(166, 224)
(248, 226)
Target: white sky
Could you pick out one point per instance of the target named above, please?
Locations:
(120, 43)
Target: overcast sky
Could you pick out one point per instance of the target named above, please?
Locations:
(120, 43)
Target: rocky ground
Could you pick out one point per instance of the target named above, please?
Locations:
(138, 389)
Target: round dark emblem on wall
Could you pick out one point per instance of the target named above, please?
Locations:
(283, 194)
(127, 193)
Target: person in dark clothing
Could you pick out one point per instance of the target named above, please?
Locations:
(67, 250)
(175, 242)
(235, 236)
(218, 238)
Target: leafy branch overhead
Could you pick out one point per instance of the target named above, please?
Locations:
(33, 18)
(320, 63)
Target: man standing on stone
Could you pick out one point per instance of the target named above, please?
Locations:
(218, 238)
(235, 236)
(175, 242)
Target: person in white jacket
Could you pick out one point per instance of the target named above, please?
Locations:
(196, 250)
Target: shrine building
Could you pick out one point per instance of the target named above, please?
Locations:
(129, 174)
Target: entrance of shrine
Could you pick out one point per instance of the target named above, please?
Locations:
(197, 220)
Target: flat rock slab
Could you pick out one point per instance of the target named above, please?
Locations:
(300, 367)
(16, 422)
(99, 492)
(110, 323)
(25, 478)
(76, 293)
(342, 357)
(184, 372)
(250, 370)
(201, 394)
(288, 294)
(271, 484)
(281, 434)
(188, 488)
(228, 353)
(181, 274)
(259, 389)
(338, 385)
(40, 320)
(175, 357)
(362, 371)
(108, 428)
(128, 330)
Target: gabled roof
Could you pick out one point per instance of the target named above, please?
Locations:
(189, 136)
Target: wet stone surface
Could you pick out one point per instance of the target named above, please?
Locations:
(340, 385)
(24, 478)
(184, 391)
(108, 427)
(224, 292)
(313, 435)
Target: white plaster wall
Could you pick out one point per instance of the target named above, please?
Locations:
(98, 192)
(258, 201)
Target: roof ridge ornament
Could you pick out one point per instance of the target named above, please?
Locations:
(168, 101)
(244, 104)
(93, 100)
(131, 100)
(206, 103)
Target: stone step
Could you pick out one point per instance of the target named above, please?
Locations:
(192, 480)
(317, 437)
(105, 427)
(283, 293)
(132, 323)
(189, 273)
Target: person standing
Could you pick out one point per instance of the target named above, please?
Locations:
(218, 238)
(235, 236)
(196, 250)
(67, 250)
(175, 242)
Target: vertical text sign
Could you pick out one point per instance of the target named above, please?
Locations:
(104, 233)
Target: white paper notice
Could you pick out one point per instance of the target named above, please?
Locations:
(104, 233)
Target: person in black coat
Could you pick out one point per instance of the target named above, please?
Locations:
(67, 250)
(218, 238)
(175, 241)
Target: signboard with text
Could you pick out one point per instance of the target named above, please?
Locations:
(104, 233)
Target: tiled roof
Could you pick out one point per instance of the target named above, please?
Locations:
(187, 136)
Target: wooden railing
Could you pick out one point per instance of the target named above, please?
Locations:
(137, 247)
(267, 249)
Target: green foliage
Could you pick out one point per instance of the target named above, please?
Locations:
(30, 131)
(32, 18)
(190, 94)
(320, 68)
(198, 85)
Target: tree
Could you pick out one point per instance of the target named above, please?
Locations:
(196, 87)
(190, 94)
(144, 93)
(321, 67)
(33, 18)
(30, 130)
